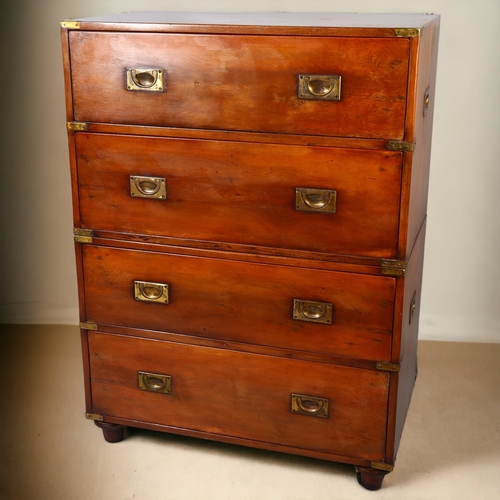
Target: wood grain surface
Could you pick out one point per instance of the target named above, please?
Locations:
(242, 82)
(242, 193)
(241, 301)
(241, 394)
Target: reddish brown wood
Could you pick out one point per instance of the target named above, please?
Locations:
(271, 446)
(233, 141)
(242, 193)
(113, 433)
(247, 253)
(233, 82)
(423, 58)
(241, 301)
(67, 74)
(268, 23)
(405, 346)
(240, 394)
(240, 346)
(225, 135)
(369, 478)
(86, 370)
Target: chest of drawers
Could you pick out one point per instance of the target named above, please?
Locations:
(250, 199)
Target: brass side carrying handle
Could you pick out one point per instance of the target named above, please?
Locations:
(147, 291)
(315, 200)
(148, 79)
(310, 405)
(154, 382)
(313, 312)
(413, 307)
(320, 87)
(148, 187)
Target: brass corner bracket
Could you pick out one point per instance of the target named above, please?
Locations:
(388, 367)
(400, 146)
(88, 326)
(382, 466)
(83, 235)
(94, 416)
(77, 126)
(70, 25)
(408, 32)
(393, 267)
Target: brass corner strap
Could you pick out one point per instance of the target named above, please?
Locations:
(400, 146)
(88, 326)
(393, 267)
(83, 235)
(94, 416)
(388, 367)
(407, 32)
(77, 126)
(382, 466)
(70, 25)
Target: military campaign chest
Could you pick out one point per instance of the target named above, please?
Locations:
(250, 198)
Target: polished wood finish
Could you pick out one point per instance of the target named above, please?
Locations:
(244, 302)
(415, 188)
(260, 23)
(249, 188)
(241, 394)
(233, 140)
(226, 135)
(232, 82)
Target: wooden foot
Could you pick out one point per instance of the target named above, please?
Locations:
(113, 433)
(371, 479)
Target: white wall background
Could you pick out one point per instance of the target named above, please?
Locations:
(462, 271)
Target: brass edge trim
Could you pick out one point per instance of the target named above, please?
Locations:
(408, 32)
(388, 367)
(77, 126)
(83, 235)
(393, 267)
(94, 416)
(70, 25)
(88, 326)
(400, 146)
(382, 466)
(393, 272)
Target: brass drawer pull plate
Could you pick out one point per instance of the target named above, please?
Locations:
(315, 200)
(148, 187)
(310, 405)
(147, 291)
(313, 312)
(321, 87)
(148, 79)
(154, 382)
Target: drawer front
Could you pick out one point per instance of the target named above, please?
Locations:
(241, 395)
(244, 193)
(246, 83)
(241, 301)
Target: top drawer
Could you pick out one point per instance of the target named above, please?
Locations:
(244, 83)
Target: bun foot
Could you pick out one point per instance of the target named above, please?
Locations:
(371, 479)
(113, 433)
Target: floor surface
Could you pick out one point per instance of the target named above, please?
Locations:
(48, 451)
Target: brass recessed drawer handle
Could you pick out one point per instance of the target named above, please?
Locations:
(321, 87)
(314, 312)
(310, 405)
(315, 200)
(148, 187)
(154, 382)
(151, 292)
(148, 79)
